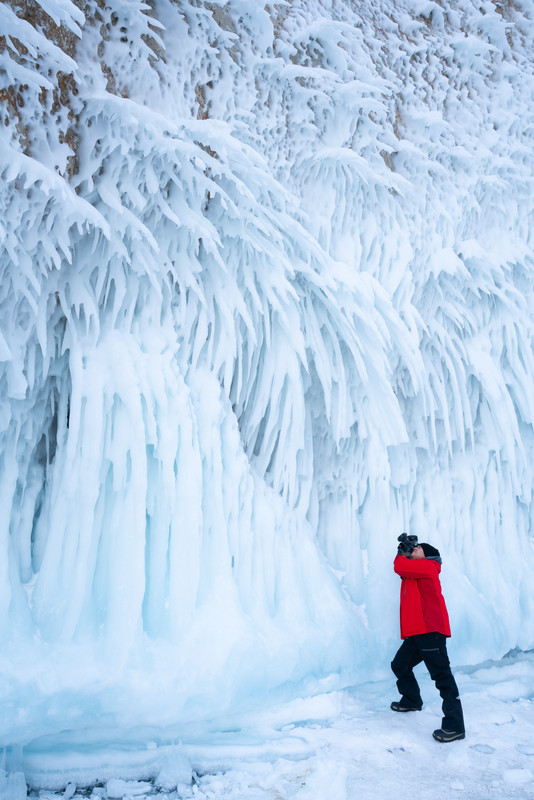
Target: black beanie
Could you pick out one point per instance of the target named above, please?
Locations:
(430, 552)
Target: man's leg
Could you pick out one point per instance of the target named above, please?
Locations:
(407, 657)
(434, 652)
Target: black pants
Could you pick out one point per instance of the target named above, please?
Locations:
(432, 649)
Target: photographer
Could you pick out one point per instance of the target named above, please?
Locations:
(424, 627)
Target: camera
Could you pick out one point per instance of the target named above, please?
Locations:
(407, 544)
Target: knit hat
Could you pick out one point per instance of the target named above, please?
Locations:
(430, 552)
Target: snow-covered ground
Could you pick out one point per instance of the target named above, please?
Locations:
(340, 745)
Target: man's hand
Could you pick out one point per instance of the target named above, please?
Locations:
(418, 552)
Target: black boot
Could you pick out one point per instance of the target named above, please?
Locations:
(400, 706)
(447, 736)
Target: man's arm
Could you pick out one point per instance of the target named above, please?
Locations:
(415, 568)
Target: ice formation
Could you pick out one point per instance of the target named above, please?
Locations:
(266, 302)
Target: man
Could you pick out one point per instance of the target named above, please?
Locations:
(424, 629)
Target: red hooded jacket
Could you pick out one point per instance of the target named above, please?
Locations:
(422, 607)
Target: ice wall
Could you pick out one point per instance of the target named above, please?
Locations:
(266, 301)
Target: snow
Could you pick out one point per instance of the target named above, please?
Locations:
(266, 301)
(336, 744)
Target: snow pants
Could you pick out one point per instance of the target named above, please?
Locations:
(432, 649)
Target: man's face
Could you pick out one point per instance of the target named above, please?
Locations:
(418, 552)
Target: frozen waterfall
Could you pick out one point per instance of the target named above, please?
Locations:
(266, 301)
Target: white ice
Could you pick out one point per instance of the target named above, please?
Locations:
(338, 745)
(266, 301)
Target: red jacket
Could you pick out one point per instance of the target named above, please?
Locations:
(422, 607)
